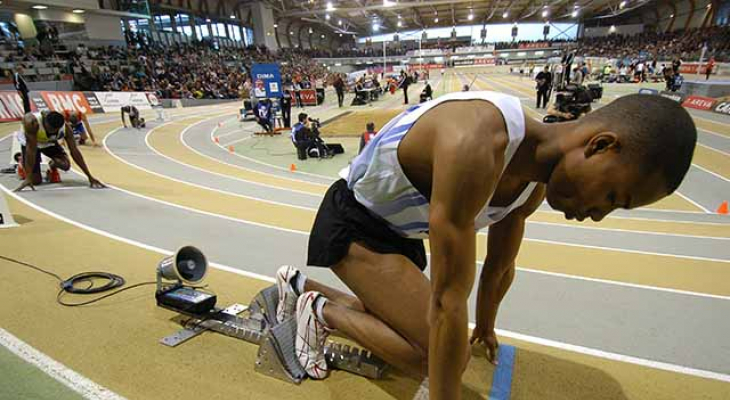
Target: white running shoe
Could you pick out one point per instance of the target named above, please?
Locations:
(311, 337)
(287, 294)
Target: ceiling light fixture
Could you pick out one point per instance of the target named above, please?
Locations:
(505, 15)
(78, 11)
(40, 7)
(574, 13)
(545, 13)
(436, 20)
(330, 6)
(327, 17)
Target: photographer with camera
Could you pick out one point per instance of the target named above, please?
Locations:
(306, 138)
(571, 103)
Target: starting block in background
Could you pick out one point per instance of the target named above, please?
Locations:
(6, 218)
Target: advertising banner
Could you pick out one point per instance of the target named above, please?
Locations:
(462, 62)
(722, 107)
(308, 96)
(266, 80)
(699, 102)
(113, 101)
(672, 96)
(93, 102)
(11, 106)
(65, 101)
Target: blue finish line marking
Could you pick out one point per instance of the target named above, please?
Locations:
(502, 378)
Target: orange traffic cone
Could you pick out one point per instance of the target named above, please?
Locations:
(723, 209)
(293, 168)
(215, 139)
(230, 148)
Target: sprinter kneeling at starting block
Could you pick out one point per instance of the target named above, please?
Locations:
(42, 132)
(444, 170)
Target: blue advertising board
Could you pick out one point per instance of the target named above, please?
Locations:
(266, 80)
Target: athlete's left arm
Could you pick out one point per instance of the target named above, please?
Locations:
(503, 244)
(78, 158)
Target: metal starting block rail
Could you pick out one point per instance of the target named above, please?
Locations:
(276, 356)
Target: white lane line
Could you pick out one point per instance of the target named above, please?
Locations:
(694, 203)
(195, 184)
(613, 249)
(625, 284)
(623, 250)
(714, 149)
(253, 160)
(528, 239)
(711, 173)
(515, 335)
(149, 146)
(598, 228)
(614, 356)
(238, 140)
(298, 232)
(64, 375)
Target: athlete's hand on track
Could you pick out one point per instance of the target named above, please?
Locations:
(489, 340)
(26, 183)
(96, 184)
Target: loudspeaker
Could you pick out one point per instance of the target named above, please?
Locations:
(188, 266)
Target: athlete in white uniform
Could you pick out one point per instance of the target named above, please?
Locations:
(444, 170)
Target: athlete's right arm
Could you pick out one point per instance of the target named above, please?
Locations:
(463, 179)
(30, 129)
(123, 121)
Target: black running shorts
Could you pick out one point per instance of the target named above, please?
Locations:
(341, 220)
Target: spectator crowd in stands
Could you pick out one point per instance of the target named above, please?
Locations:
(663, 46)
(202, 70)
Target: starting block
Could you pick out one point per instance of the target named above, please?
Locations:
(256, 324)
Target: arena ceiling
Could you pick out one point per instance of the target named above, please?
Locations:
(362, 16)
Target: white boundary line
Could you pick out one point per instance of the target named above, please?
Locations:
(255, 183)
(614, 356)
(64, 375)
(212, 134)
(711, 173)
(261, 225)
(598, 228)
(531, 339)
(527, 239)
(195, 184)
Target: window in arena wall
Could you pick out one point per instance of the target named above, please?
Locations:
(236, 32)
(221, 29)
(183, 24)
(163, 22)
